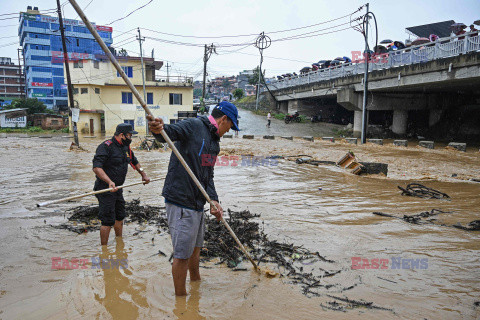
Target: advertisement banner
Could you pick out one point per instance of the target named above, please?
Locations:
(41, 84)
(63, 86)
(75, 114)
(104, 28)
(39, 95)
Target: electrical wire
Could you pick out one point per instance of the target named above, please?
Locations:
(253, 34)
(131, 12)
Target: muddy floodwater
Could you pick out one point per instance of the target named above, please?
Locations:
(323, 208)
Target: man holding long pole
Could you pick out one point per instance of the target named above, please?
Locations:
(110, 165)
(197, 140)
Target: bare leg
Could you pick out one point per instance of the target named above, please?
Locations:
(193, 265)
(104, 233)
(179, 272)
(118, 227)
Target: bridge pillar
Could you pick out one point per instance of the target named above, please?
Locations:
(434, 116)
(292, 106)
(400, 118)
(357, 123)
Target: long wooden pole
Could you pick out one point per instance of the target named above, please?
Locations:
(47, 203)
(135, 92)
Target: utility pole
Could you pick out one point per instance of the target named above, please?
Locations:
(168, 73)
(22, 95)
(140, 40)
(365, 84)
(262, 42)
(206, 56)
(67, 70)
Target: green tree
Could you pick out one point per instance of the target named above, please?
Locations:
(33, 105)
(238, 93)
(123, 53)
(197, 92)
(253, 79)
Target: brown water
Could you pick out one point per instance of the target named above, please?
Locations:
(337, 221)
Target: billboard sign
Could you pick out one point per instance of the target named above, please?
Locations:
(41, 84)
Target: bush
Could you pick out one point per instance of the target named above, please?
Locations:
(279, 116)
(65, 130)
(34, 129)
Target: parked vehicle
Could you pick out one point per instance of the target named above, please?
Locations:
(292, 118)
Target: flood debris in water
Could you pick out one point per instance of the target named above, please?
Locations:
(295, 263)
(421, 191)
(346, 303)
(421, 218)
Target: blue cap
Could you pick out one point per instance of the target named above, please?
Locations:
(231, 112)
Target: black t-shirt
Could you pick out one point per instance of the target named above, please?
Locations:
(114, 159)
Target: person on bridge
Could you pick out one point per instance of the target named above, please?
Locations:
(110, 165)
(473, 29)
(197, 140)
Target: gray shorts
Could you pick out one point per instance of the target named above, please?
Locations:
(187, 228)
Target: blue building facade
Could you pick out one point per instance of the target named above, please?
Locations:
(43, 54)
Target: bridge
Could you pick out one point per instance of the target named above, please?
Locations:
(428, 78)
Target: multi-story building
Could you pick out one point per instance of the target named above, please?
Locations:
(43, 53)
(101, 93)
(12, 82)
(243, 78)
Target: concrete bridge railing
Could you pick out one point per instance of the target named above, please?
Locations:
(442, 48)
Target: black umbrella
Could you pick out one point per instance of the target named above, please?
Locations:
(458, 26)
(386, 41)
(339, 59)
(477, 22)
(399, 44)
(380, 49)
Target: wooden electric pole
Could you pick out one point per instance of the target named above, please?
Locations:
(67, 70)
(206, 56)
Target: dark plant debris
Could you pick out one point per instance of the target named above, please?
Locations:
(421, 191)
(420, 218)
(295, 263)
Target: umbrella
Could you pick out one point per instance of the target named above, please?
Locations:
(459, 25)
(399, 44)
(386, 41)
(339, 59)
(322, 61)
(380, 49)
(477, 22)
(347, 59)
(316, 64)
(419, 41)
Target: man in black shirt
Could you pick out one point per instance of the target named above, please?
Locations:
(110, 165)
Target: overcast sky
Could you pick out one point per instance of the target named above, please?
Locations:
(202, 18)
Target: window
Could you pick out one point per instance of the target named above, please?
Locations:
(96, 64)
(149, 97)
(127, 97)
(176, 98)
(78, 42)
(83, 90)
(54, 122)
(57, 71)
(97, 90)
(128, 71)
(75, 90)
(78, 64)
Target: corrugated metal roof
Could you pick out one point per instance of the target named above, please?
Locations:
(441, 29)
(12, 110)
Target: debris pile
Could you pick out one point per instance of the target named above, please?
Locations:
(297, 264)
(420, 219)
(421, 191)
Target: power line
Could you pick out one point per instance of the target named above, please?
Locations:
(252, 34)
(130, 12)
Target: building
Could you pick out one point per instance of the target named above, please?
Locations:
(43, 53)
(47, 121)
(101, 94)
(12, 82)
(243, 78)
(13, 118)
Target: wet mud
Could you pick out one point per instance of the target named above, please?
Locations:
(317, 208)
